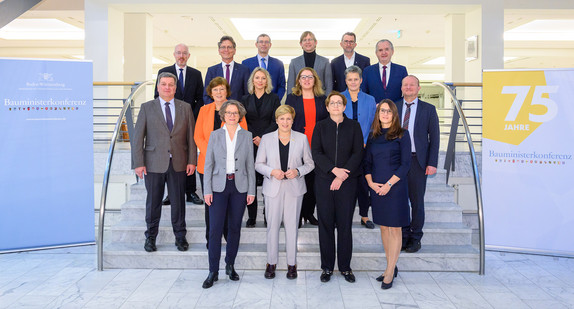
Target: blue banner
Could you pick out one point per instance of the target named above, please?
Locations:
(46, 153)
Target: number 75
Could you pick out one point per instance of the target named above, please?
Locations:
(537, 99)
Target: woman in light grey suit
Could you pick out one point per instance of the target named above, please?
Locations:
(229, 182)
(283, 158)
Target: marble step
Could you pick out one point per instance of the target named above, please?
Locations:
(254, 256)
(436, 233)
(434, 212)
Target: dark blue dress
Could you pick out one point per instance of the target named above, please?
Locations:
(383, 159)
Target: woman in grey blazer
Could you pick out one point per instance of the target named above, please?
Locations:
(283, 158)
(229, 180)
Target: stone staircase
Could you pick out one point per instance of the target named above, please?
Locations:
(446, 245)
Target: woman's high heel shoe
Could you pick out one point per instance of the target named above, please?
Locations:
(381, 277)
(386, 286)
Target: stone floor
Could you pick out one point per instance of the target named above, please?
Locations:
(67, 278)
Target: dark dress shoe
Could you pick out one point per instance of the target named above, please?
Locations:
(250, 223)
(369, 224)
(150, 244)
(381, 277)
(213, 276)
(326, 275)
(193, 198)
(182, 244)
(312, 220)
(386, 286)
(291, 272)
(230, 271)
(413, 246)
(349, 277)
(270, 271)
(166, 201)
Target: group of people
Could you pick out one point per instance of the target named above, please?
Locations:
(348, 131)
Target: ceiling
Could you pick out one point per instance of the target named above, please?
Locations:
(200, 26)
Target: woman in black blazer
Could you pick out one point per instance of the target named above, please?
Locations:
(308, 99)
(260, 104)
(337, 149)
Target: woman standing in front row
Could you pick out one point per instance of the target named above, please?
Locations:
(337, 151)
(308, 100)
(387, 162)
(229, 181)
(283, 158)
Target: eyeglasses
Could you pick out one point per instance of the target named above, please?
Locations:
(308, 40)
(181, 53)
(307, 77)
(231, 114)
(385, 111)
(348, 42)
(226, 47)
(335, 103)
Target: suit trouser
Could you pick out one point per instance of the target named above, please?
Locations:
(286, 207)
(190, 184)
(154, 184)
(363, 196)
(252, 209)
(417, 182)
(335, 209)
(309, 201)
(206, 216)
(231, 204)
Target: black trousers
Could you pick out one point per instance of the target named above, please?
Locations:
(190, 184)
(363, 196)
(228, 204)
(154, 184)
(206, 216)
(417, 181)
(309, 201)
(335, 210)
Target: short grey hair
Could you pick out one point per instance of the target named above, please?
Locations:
(226, 104)
(354, 69)
(168, 75)
(261, 36)
(382, 41)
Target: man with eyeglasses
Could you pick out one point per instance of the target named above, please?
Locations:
(421, 120)
(347, 59)
(235, 73)
(383, 79)
(274, 66)
(310, 59)
(189, 88)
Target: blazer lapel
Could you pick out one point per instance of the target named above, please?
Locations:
(159, 114)
(177, 122)
(292, 144)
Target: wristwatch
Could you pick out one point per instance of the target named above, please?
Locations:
(390, 184)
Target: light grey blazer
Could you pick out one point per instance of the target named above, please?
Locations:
(268, 159)
(322, 67)
(152, 142)
(215, 163)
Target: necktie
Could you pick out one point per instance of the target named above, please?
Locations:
(227, 73)
(263, 65)
(180, 80)
(168, 118)
(385, 77)
(407, 116)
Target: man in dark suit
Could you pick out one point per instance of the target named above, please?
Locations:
(383, 80)
(274, 66)
(310, 59)
(347, 59)
(421, 120)
(235, 73)
(189, 90)
(163, 149)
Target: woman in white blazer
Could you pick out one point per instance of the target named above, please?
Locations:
(283, 158)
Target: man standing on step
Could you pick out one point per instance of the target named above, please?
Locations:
(421, 120)
(383, 79)
(190, 90)
(164, 151)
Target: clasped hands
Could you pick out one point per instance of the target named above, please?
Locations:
(380, 188)
(280, 175)
(341, 174)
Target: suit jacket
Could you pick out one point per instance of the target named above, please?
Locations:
(338, 67)
(192, 91)
(203, 129)
(238, 83)
(153, 143)
(262, 121)
(321, 66)
(268, 159)
(366, 107)
(296, 101)
(215, 163)
(425, 133)
(373, 84)
(276, 69)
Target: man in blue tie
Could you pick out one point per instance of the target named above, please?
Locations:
(274, 66)
(190, 90)
(235, 73)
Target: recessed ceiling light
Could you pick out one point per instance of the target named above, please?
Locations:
(543, 30)
(40, 29)
(291, 28)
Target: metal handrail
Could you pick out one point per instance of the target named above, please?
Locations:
(127, 103)
(477, 185)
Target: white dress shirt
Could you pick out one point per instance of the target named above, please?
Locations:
(388, 71)
(177, 68)
(412, 117)
(230, 144)
(349, 62)
(224, 67)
